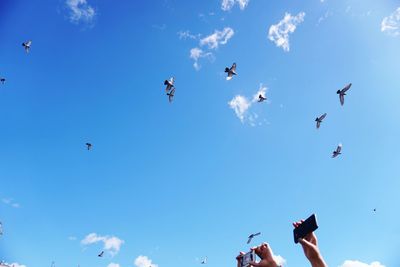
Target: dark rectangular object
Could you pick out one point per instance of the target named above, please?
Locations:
(308, 226)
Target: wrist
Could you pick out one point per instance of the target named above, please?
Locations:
(318, 262)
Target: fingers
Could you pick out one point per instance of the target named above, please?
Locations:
(306, 243)
(241, 253)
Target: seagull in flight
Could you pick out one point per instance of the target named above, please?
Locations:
(261, 98)
(231, 71)
(27, 45)
(169, 83)
(320, 119)
(101, 254)
(337, 152)
(2, 80)
(204, 261)
(89, 146)
(342, 93)
(171, 95)
(252, 236)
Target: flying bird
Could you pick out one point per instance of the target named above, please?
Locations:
(320, 119)
(337, 152)
(342, 93)
(374, 210)
(27, 45)
(252, 236)
(2, 80)
(169, 83)
(101, 254)
(89, 146)
(261, 98)
(171, 95)
(231, 71)
(1, 228)
(204, 261)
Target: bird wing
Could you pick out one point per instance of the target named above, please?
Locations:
(250, 238)
(322, 117)
(233, 68)
(339, 148)
(259, 233)
(347, 87)
(341, 97)
(29, 43)
(171, 95)
(318, 124)
(172, 80)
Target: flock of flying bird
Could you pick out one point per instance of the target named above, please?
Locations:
(170, 92)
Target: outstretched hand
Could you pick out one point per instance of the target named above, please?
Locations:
(265, 253)
(310, 248)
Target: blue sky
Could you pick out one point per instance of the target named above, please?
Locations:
(181, 181)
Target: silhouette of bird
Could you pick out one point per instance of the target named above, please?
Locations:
(171, 95)
(252, 236)
(2, 80)
(342, 93)
(169, 83)
(261, 98)
(231, 71)
(204, 261)
(320, 119)
(89, 146)
(1, 228)
(337, 152)
(374, 210)
(101, 254)
(27, 45)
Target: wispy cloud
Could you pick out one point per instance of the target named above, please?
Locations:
(217, 38)
(241, 105)
(227, 5)
(72, 238)
(111, 244)
(15, 264)
(112, 264)
(197, 53)
(207, 44)
(279, 33)
(144, 261)
(10, 202)
(355, 263)
(324, 17)
(188, 35)
(279, 260)
(391, 24)
(80, 11)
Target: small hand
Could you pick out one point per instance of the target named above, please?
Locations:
(264, 251)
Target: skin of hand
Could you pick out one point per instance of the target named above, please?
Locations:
(264, 252)
(310, 248)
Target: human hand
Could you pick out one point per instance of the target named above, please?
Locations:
(310, 248)
(264, 251)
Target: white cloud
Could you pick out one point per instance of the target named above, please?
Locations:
(351, 263)
(80, 11)
(197, 53)
(279, 260)
(187, 35)
(241, 105)
(113, 265)
(10, 202)
(227, 5)
(15, 264)
(111, 244)
(72, 238)
(279, 33)
(144, 261)
(218, 38)
(391, 24)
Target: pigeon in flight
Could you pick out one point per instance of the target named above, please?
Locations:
(231, 71)
(2, 80)
(320, 119)
(204, 261)
(27, 45)
(89, 146)
(342, 93)
(261, 98)
(171, 95)
(252, 236)
(337, 151)
(169, 83)
(101, 254)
